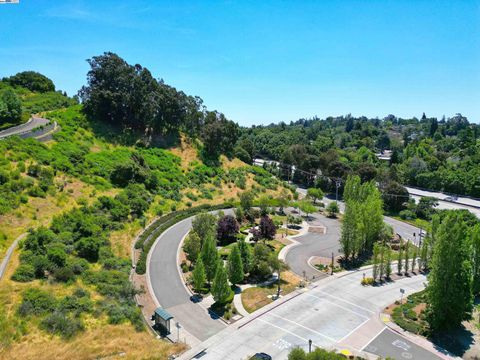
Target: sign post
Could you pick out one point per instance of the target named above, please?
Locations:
(177, 324)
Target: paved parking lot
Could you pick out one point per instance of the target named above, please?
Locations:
(389, 343)
(336, 314)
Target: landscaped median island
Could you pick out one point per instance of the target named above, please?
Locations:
(225, 255)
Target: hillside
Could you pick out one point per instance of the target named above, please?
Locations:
(82, 198)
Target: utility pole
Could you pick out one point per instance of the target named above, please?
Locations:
(310, 346)
(332, 263)
(337, 185)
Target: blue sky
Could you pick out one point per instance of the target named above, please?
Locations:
(266, 61)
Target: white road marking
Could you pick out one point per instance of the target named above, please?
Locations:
(355, 329)
(378, 334)
(305, 327)
(347, 302)
(285, 330)
(340, 306)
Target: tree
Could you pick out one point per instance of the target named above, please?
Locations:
(220, 289)
(414, 258)
(307, 207)
(31, 80)
(198, 275)
(407, 253)
(376, 265)
(333, 209)
(267, 228)
(246, 254)
(10, 107)
(315, 194)
(449, 291)
(400, 258)
(246, 200)
(426, 207)
(235, 266)
(227, 228)
(394, 196)
(204, 225)
(475, 245)
(210, 257)
(192, 246)
(388, 262)
(283, 200)
(350, 233)
(219, 135)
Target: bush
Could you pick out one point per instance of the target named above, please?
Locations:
(407, 215)
(36, 301)
(368, 281)
(24, 273)
(64, 274)
(62, 324)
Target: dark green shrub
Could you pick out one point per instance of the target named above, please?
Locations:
(64, 274)
(60, 323)
(36, 301)
(24, 273)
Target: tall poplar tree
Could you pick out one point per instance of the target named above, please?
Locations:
(220, 288)
(407, 250)
(400, 258)
(475, 245)
(246, 254)
(235, 266)
(449, 291)
(198, 275)
(210, 257)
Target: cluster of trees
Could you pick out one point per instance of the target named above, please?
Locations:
(129, 96)
(362, 224)
(69, 249)
(454, 277)
(243, 260)
(31, 80)
(426, 152)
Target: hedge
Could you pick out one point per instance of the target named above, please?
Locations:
(147, 238)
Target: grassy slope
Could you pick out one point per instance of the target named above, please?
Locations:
(23, 338)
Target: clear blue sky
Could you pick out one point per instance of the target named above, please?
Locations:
(266, 61)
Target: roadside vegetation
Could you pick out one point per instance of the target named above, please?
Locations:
(84, 196)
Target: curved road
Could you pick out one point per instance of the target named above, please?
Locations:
(168, 288)
(33, 123)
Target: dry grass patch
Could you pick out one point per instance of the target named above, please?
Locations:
(186, 152)
(112, 341)
(257, 297)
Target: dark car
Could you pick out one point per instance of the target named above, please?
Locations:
(261, 356)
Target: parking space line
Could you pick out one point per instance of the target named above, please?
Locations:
(307, 328)
(355, 329)
(340, 306)
(347, 302)
(378, 334)
(285, 330)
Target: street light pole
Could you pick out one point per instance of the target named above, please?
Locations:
(337, 185)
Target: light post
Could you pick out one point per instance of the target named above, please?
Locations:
(337, 185)
(310, 345)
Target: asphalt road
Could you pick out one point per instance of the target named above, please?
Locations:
(35, 122)
(389, 343)
(168, 288)
(314, 244)
(338, 312)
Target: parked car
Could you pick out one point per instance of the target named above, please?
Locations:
(261, 356)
